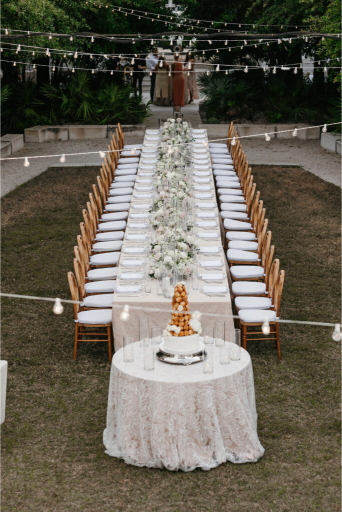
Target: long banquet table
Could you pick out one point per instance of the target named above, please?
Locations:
(219, 305)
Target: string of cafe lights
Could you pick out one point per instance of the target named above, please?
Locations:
(157, 16)
(103, 153)
(217, 69)
(77, 53)
(125, 313)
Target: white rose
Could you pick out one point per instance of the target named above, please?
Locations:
(157, 248)
(183, 255)
(167, 259)
(195, 325)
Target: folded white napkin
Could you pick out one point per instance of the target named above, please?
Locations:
(132, 263)
(199, 151)
(139, 215)
(207, 224)
(152, 132)
(208, 234)
(150, 145)
(131, 275)
(147, 167)
(149, 160)
(212, 277)
(204, 196)
(128, 288)
(201, 168)
(201, 173)
(134, 250)
(152, 137)
(202, 187)
(141, 195)
(144, 181)
(206, 215)
(214, 288)
(137, 225)
(211, 263)
(206, 205)
(135, 237)
(201, 180)
(198, 130)
(200, 136)
(201, 160)
(211, 250)
(145, 173)
(143, 188)
(141, 206)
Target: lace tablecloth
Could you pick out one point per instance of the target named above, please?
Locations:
(178, 418)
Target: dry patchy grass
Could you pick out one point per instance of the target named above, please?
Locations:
(52, 453)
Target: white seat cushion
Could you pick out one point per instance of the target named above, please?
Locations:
(218, 149)
(229, 191)
(131, 160)
(234, 207)
(123, 184)
(108, 236)
(248, 288)
(243, 256)
(100, 286)
(113, 216)
(253, 303)
(99, 274)
(253, 316)
(227, 162)
(224, 172)
(129, 153)
(229, 184)
(229, 214)
(129, 165)
(132, 177)
(231, 198)
(125, 172)
(132, 146)
(113, 245)
(107, 258)
(119, 199)
(115, 207)
(118, 225)
(93, 317)
(218, 145)
(247, 271)
(99, 301)
(240, 235)
(236, 225)
(121, 191)
(243, 245)
(227, 167)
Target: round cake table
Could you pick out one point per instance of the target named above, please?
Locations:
(178, 418)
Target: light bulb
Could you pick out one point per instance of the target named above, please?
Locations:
(131, 73)
(34, 66)
(295, 71)
(246, 69)
(218, 67)
(323, 38)
(267, 137)
(264, 68)
(209, 42)
(64, 56)
(124, 315)
(279, 41)
(92, 71)
(133, 150)
(91, 57)
(161, 64)
(26, 162)
(268, 44)
(53, 68)
(274, 71)
(92, 39)
(18, 48)
(290, 40)
(14, 64)
(71, 38)
(233, 141)
(6, 31)
(229, 49)
(217, 50)
(33, 53)
(62, 159)
(325, 69)
(208, 72)
(203, 53)
(102, 154)
(169, 73)
(294, 133)
(266, 328)
(225, 43)
(50, 36)
(47, 52)
(336, 335)
(58, 307)
(152, 41)
(245, 42)
(111, 72)
(241, 48)
(188, 73)
(75, 55)
(306, 39)
(324, 129)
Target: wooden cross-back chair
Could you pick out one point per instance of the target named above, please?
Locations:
(230, 133)
(85, 328)
(266, 259)
(102, 191)
(274, 334)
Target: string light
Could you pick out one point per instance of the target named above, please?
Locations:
(295, 71)
(233, 141)
(324, 129)
(62, 159)
(336, 335)
(71, 38)
(267, 137)
(294, 133)
(58, 307)
(92, 39)
(246, 69)
(218, 67)
(266, 328)
(274, 71)
(102, 154)
(26, 162)
(133, 150)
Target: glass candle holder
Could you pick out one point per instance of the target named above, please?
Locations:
(156, 335)
(143, 331)
(195, 278)
(225, 353)
(208, 335)
(219, 333)
(208, 362)
(128, 349)
(235, 347)
(149, 357)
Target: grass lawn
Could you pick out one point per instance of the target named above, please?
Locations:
(52, 453)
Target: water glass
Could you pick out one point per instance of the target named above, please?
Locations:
(147, 284)
(235, 345)
(128, 348)
(225, 353)
(156, 335)
(219, 333)
(195, 278)
(149, 357)
(208, 335)
(208, 362)
(143, 331)
(160, 285)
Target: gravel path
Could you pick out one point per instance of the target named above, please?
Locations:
(307, 154)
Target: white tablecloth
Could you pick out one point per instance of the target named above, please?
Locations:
(218, 305)
(178, 418)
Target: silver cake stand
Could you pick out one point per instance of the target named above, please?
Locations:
(185, 359)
